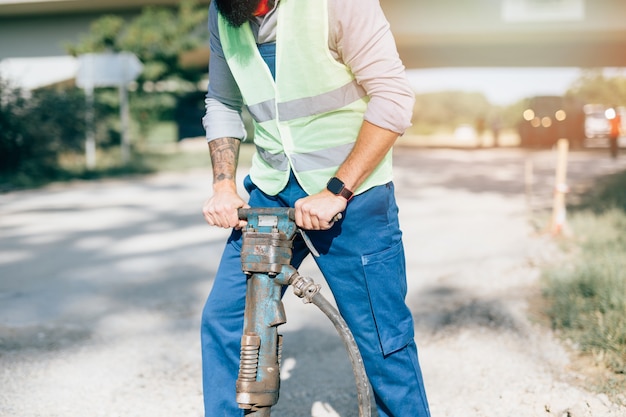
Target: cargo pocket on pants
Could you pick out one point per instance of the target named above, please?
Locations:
(385, 274)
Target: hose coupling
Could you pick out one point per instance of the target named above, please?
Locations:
(304, 287)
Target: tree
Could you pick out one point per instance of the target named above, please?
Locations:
(594, 86)
(159, 36)
(162, 38)
(449, 108)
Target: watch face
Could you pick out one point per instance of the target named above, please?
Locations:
(335, 185)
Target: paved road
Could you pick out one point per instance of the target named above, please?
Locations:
(102, 283)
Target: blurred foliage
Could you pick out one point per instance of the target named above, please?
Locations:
(446, 110)
(43, 135)
(36, 128)
(608, 194)
(450, 108)
(596, 87)
(587, 292)
(149, 109)
(159, 37)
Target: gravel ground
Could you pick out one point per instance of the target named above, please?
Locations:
(102, 284)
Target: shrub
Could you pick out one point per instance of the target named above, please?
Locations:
(36, 128)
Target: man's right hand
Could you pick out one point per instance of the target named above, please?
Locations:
(221, 209)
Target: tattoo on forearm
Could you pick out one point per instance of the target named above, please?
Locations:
(224, 155)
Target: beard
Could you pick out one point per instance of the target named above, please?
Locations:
(236, 12)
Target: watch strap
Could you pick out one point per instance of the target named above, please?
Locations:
(345, 193)
(337, 187)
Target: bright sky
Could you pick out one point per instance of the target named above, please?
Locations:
(501, 86)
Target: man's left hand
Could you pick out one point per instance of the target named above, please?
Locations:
(319, 211)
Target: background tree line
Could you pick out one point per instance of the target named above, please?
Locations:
(447, 109)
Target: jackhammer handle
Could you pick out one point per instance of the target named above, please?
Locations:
(244, 213)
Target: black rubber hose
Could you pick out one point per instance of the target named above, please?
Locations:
(362, 383)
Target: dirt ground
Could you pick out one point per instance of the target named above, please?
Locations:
(102, 284)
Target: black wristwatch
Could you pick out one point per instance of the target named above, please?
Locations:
(337, 187)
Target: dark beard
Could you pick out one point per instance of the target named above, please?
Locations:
(236, 12)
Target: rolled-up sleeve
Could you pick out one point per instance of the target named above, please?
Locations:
(361, 36)
(223, 101)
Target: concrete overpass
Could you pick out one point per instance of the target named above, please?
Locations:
(509, 33)
(442, 33)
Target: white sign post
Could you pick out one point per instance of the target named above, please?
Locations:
(107, 70)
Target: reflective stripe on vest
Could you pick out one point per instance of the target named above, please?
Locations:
(307, 106)
(326, 158)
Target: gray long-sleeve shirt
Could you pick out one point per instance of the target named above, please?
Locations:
(359, 37)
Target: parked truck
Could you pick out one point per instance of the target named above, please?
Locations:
(546, 119)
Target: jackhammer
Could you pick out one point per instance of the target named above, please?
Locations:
(266, 255)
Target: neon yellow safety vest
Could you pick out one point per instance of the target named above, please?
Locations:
(308, 119)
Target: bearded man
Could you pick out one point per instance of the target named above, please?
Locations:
(328, 96)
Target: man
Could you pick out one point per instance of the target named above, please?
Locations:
(328, 94)
(615, 126)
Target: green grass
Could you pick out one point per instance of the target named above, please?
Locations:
(586, 294)
(609, 192)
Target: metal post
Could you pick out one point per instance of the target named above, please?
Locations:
(124, 118)
(560, 188)
(90, 140)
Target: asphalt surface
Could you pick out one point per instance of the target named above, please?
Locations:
(102, 284)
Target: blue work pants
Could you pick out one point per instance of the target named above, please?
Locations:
(362, 260)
